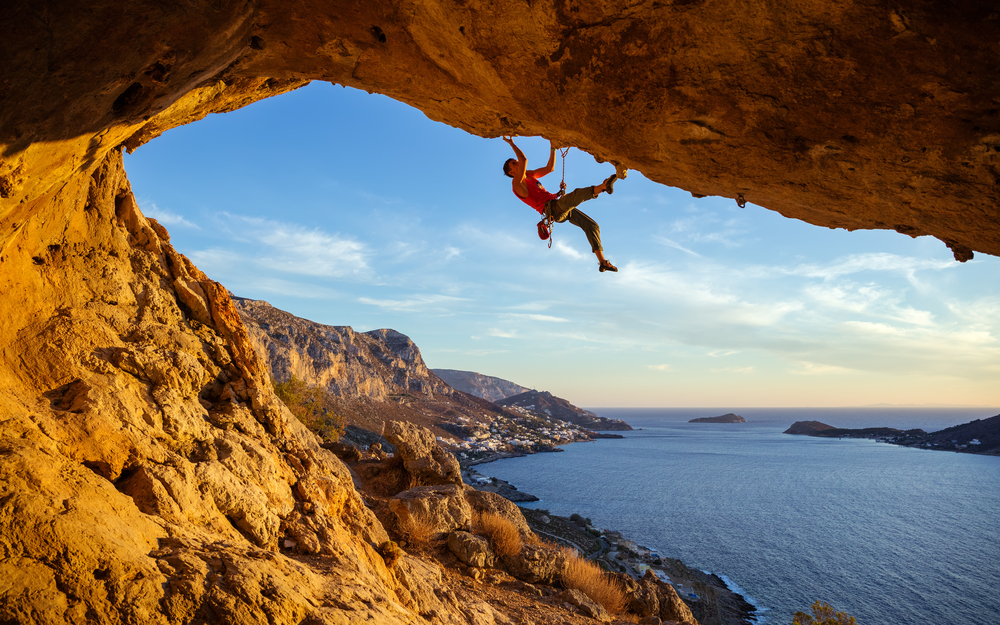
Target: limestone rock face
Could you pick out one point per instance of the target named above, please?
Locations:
(427, 462)
(848, 115)
(148, 474)
(485, 386)
(347, 363)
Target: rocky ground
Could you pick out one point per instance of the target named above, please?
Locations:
(546, 404)
(422, 482)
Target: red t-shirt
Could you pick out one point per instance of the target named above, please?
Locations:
(537, 195)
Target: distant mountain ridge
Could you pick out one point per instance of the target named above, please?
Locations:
(349, 364)
(380, 376)
(546, 403)
(485, 386)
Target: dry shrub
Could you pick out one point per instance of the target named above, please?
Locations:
(418, 530)
(502, 534)
(592, 581)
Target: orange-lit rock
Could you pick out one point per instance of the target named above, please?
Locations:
(147, 472)
(849, 115)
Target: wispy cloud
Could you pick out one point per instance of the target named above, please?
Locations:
(441, 303)
(503, 334)
(560, 246)
(723, 352)
(876, 262)
(274, 246)
(664, 368)
(742, 370)
(536, 317)
(675, 245)
(811, 368)
(166, 217)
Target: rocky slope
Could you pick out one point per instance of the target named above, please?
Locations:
(485, 386)
(147, 472)
(373, 364)
(545, 403)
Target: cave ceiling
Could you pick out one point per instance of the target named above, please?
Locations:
(874, 115)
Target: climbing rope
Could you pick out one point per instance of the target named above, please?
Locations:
(548, 220)
(562, 185)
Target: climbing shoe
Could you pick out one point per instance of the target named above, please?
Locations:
(609, 184)
(606, 266)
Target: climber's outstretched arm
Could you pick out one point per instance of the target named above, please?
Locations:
(519, 170)
(551, 165)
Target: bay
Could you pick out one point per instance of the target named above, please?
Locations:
(890, 535)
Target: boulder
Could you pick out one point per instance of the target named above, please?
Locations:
(484, 502)
(584, 604)
(426, 461)
(471, 549)
(643, 599)
(536, 564)
(672, 607)
(442, 507)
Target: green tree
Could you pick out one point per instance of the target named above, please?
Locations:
(313, 406)
(823, 614)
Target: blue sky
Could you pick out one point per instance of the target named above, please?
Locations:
(352, 209)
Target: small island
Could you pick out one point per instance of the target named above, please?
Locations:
(981, 436)
(808, 428)
(726, 418)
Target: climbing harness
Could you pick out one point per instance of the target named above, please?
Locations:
(545, 225)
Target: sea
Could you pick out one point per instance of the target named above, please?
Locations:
(890, 535)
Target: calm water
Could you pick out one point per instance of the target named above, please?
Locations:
(890, 535)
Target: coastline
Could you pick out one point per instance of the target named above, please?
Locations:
(713, 598)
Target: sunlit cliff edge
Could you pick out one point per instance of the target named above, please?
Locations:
(147, 472)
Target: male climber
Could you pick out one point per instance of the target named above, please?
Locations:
(527, 187)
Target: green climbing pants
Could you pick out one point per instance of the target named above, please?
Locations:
(565, 209)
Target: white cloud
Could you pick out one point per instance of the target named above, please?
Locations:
(167, 218)
(504, 334)
(743, 370)
(288, 248)
(536, 317)
(882, 262)
(810, 368)
(414, 304)
(561, 247)
(665, 368)
(675, 245)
